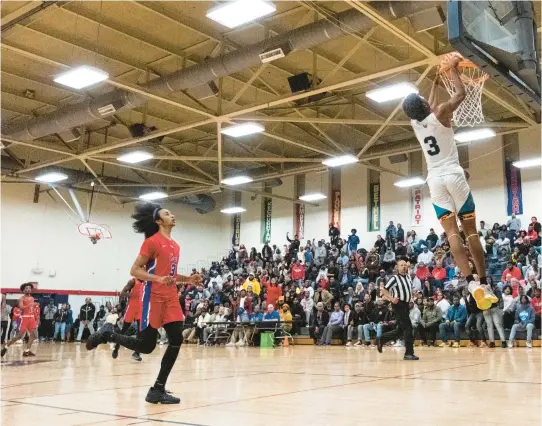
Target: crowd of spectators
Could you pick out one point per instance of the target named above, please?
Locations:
(331, 286)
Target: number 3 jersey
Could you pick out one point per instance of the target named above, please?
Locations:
(438, 146)
(163, 256)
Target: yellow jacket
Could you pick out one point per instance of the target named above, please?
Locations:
(255, 286)
(286, 317)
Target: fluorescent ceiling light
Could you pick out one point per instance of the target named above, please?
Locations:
(232, 14)
(157, 195)
(236, 180)
(341, 160)
(81, 77)
(135, 157)
(312, 197)
(409, 182)
(232, 210)
(389, 93)
(243, 129)
(523, 164)
(51, 177)
(474, 135)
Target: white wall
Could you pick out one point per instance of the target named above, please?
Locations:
(42, 235)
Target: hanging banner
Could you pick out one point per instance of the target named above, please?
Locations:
(374, 200)
(266, 220)
(416, 206)
(300, 221)
(336, 208)
(236, 237)
(513, 189)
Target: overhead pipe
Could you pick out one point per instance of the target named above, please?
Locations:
(302, 38)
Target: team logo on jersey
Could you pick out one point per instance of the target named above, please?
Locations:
(172, 258)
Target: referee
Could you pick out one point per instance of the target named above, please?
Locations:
(398, 290)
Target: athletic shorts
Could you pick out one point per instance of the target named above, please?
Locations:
(133, 311)
(158, 312)
(451, 194)
(28, 324)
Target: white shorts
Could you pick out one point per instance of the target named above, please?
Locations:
(451, 194)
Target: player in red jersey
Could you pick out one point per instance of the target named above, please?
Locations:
(156, 266)
(134, 290)
(26, 304)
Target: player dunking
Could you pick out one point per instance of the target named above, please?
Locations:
(156, 266)
(450, 192)
(29, 324)
(132, 289)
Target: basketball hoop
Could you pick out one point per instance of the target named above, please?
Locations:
(470, 111)
(93, 231)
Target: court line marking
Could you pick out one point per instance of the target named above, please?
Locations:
(254, 373)
(316, 389)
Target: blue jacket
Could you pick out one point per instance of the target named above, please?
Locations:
(524, 314)
(353, 241)
(256, 317)
(458, 314)
(273, 316)
(391, 230)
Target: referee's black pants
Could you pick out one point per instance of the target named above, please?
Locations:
(403, 326)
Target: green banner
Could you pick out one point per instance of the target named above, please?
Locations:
(266, 220)
(374, 203)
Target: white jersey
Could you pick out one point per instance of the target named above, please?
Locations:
(438, 146)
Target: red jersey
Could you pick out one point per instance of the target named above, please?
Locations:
(298, 272)
(28, 306)
(135, 293)
(16, 314)
(163, 256)
(536, 304)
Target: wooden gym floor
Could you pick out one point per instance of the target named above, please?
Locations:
(301, 385)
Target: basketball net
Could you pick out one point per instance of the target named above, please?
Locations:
(469, 113)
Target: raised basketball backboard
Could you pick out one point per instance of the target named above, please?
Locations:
(500, 38)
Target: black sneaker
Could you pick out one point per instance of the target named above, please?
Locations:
(137, 357)
(4, 350)
(411, 358)
(156, 396)
(115, 353)
(491, 344)
(503, 344)
(379, 345)
(100, 336)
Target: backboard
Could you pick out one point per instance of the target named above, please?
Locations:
(94, 231)
(500, 37)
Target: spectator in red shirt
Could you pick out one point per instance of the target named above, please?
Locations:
(273, 293)
(536, 304)
(422, 272)
(439, 273)
(512, 270)
(298, 272)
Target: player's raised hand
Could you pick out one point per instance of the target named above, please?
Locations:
(455, 59)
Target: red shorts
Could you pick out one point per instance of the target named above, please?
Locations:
(133, 311)
(28, 324)
(160, 312)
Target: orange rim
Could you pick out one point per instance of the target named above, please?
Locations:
(445, 68)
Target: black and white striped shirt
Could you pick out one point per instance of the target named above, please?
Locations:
(400, 286)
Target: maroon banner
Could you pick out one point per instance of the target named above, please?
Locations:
(300, 220)
(336, 208)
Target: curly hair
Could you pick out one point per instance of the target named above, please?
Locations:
(415, 107)
(145, 217)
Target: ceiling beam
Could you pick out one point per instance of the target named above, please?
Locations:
(175, 157)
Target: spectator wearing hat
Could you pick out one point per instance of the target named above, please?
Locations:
(286, 317)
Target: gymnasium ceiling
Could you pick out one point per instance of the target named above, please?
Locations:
(136, 42)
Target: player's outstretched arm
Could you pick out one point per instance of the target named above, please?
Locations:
(446, 110)
(192, 279)
(433, 96)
